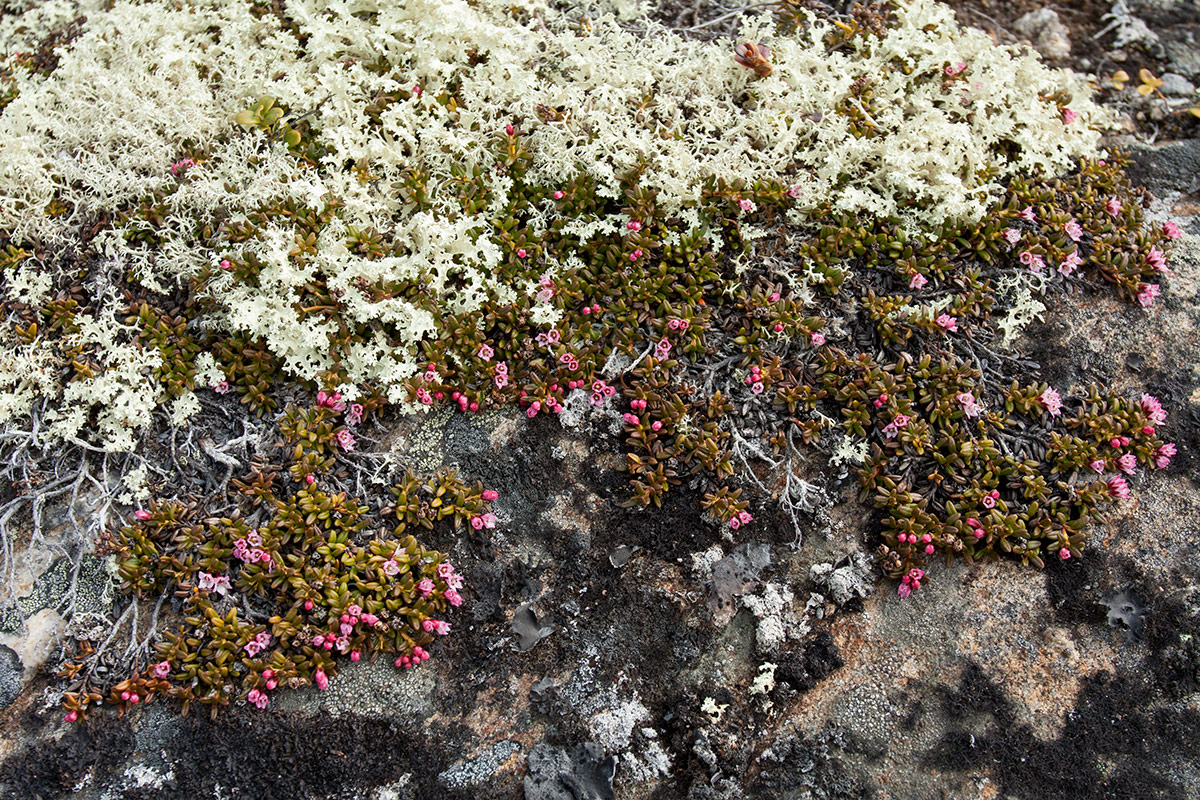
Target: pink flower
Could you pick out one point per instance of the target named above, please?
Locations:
(917, 281)
(425, 587)
(321, 679)
(489, 495)
(558, 195)
(746, 205)
(794, 192)
(1162, 456)
(391, 567)
(1118, 488)
(500, 379)
(333, 401)
(453, 598)
(633, 225)
(816, 339)
(445, 569)
(735, 523)
(1026, 258)
(354, 416)
(345, 439)
(1070, 263)
(1064, 553)
(1157, 259)
(1146, 294)
(903, 590)
(1171, 230)
(1069, 116)
(521, 253)
(1051, 400)
(756, 387)
(1153, 409)
(221, 387)
(989, 501)
(1012, 235)
(142, 515)
(947, 322)
(1073, 230)
(162, 669)
(486, 352)
(214, 583)
(1128, 463)
(1113, 206)
(1026, 214)
(630, 419)
(901, 420)
(1098, 466)
(971, 406)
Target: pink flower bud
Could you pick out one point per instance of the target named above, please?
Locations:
(558, 195)
(489, 495)
(355, 655)
(142, 515)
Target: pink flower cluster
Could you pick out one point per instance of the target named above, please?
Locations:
(1032, 260)
(910, 582)
(947, 322)
(601, 391)
(1153, 409)
(547, 338)
(463, 403)
(481, 521)
(500, 374)
(259, 643)
(754, 379)
(1157, 259)
(333, 401)
(1147, 292)
(345, 439)
(354, 415)
(742, 518)
(1070, 263)
(182, 165)
(970, 405)
(249, 550)
(977, 529)
(1118, 488)
(1162, 456)
(419, 654)
(340, 638)
(893, 428)
(1051, 400)
(214, 583)
(1171, 230)
(436, 626)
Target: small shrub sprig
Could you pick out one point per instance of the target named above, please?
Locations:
(274, 603)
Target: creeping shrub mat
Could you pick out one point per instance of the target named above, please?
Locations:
(240, 242)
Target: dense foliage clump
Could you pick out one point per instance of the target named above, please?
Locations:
(848, 286)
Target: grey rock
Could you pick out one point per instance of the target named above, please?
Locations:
(1184, 58)
(1175, 85)
(1047, 33)
(529, 628)
(734, 575)
(585, 774)
(11, 670)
